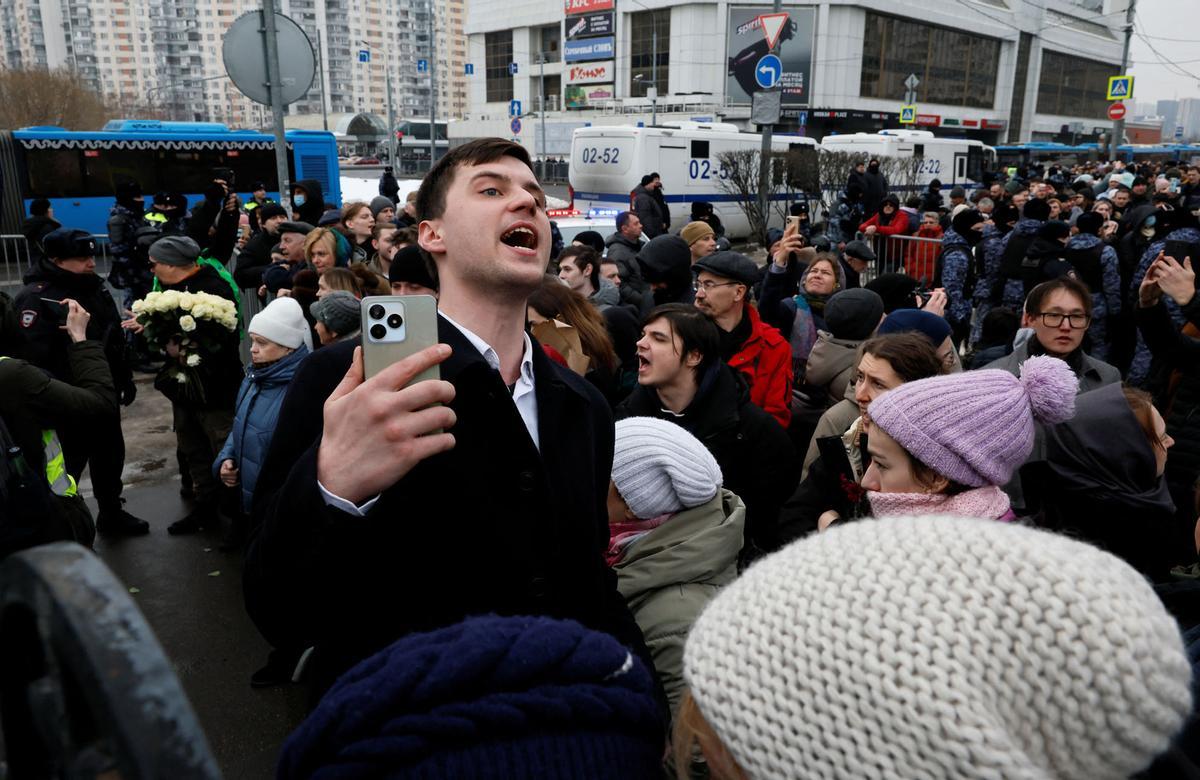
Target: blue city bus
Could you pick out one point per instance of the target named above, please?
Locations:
(1049, 152)
(78, 170)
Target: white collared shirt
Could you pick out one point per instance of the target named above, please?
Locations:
(523, 396)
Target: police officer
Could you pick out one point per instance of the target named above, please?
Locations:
(69, 272)
(33, 406)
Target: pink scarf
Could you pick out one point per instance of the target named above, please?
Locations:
(621, 536)
(987, 502)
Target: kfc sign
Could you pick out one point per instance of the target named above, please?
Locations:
(588, 6)
(591, 73)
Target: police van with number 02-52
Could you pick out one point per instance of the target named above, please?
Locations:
(608, 162)
(955, 162)
(78, 171)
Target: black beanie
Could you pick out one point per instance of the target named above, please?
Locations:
(411, 265)
(1054, 230)
(1038, 209)
(1090, 223)
(590, 238)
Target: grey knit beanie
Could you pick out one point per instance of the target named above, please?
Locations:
(659, 467)
(175, 250)
(338, 310)
(942, 648)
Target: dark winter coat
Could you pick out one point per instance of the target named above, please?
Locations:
(1139, 368)
(754, 452)
(875, 189)
(253, 259)
(45, 344)
(255, 416)
(1098, 482)
(493, 525)
(212, 227)
(649, 211)
(35, 229)
(314, 202)
(1181, 409)
(122, 224)
(220, 373)
(389, 187)
(1106, 301)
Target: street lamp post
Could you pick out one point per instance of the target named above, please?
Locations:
(391, 117)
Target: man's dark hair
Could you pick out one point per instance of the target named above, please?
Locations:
(583, 256)
(1037, 209)
(695, 329)
(431, 197)
(910, 355)
(623, 218)
(1038, 295)
(647, 179)
(38, 207)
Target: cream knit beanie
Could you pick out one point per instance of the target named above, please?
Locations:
(282, 321)
(659, 467)
(935, 647)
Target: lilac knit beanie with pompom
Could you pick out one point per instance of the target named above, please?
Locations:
(977, 427)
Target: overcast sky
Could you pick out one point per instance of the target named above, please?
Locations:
(1159, 20)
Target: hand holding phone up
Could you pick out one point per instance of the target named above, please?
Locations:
(377, 430)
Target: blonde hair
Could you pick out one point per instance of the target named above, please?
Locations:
(320, 234)
(692, 731)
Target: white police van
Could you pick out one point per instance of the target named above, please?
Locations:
(607, 163)
(955, 162)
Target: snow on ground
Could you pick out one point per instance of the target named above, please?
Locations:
(354, 188)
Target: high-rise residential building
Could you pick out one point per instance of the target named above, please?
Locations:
(165, 55)
(1189, 118)
(1169, 111)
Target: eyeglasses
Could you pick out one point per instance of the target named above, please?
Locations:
(1055, 320)
(709, 285)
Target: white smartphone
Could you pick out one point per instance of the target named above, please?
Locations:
(396, 326)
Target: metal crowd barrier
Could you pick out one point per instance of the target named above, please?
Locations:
(892, 252)
(16, 256)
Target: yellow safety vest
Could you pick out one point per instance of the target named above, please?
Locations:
(61, 483)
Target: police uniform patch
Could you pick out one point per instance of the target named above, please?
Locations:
(28, 317)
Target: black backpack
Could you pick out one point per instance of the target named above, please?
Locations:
(1088, 265)
(25, 497)
(1012, 263)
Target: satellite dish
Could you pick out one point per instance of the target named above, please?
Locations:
(244, 51)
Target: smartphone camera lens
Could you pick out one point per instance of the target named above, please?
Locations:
(378, 332)
(376, 312)
(395, 321)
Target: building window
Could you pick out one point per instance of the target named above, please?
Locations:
(1073, 86)
(650, 39)
(550, 42)
(498, 53)
(955, 68)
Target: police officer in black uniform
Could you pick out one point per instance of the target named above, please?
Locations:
(69, 271)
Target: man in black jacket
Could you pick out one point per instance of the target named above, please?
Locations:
(255, 256)
(683, 380)
(379, 513)
(69, 272)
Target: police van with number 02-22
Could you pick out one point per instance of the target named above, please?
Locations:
(955, 162)
(608, 162)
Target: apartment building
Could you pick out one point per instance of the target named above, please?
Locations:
(166, 54)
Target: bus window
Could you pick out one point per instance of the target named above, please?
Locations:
(104, 168)
(975, 163)
(54, 173)
(700, 150)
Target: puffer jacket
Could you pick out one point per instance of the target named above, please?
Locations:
(256, 412)
(671, 573)
(765, 360)
(831, 365)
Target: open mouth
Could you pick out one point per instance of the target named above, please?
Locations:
(643, 364)
(520, 237)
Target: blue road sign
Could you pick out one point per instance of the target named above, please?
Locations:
(1179, 131)
(516, 126)
(470, 69)
(364, 55)
(512, 68)
(767, 71)
(514, 108)
(802, 118)
(422, 66)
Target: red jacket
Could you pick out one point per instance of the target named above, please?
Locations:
(920, 261)
(765, 361)
(897, 227)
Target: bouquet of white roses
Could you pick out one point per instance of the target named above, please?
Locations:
(191, 325)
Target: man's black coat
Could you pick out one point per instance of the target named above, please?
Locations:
(490, 526)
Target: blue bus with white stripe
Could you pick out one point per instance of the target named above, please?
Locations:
(77, 171)
(607, 163)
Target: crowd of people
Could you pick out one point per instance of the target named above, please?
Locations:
(862, 512)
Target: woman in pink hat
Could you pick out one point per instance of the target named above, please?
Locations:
(946, 444)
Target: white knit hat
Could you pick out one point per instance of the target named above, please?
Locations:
(659, 467)
(282, 321)
(936, 647)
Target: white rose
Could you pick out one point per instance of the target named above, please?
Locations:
(188, 323)
(193, 360)
(186, 300)
(181, 378)
(138, 306)
(201, 310)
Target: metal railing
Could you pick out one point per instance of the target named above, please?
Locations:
(914, 255)
(16, 256)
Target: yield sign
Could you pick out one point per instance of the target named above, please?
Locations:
(772, 26)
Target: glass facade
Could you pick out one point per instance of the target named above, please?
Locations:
(955, 68)
(643, 50)
(1073, 86)
(498, 53)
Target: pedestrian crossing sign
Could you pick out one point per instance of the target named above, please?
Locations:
(908, 115)
(1120, 88)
